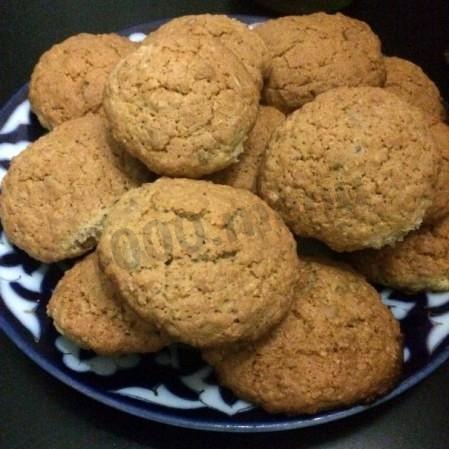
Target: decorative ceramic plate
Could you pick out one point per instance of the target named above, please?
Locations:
(174, 386)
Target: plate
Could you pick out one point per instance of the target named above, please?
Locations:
(173, 386)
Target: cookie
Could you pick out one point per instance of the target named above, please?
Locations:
(355, 168)
(69, 79)
(207, 263)
(84, 307)
(243, 174)
(339, 345)
(314, 53)
(408, 81)
(418, 263)
(58, 191)
(233, 34)
(183, 106)
(440, 206)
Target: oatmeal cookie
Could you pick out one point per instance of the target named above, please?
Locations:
(355, 168)
(339, 345)
(183, 106)
(85, 308)
(314, 53)
(233, 34)
(418, 263)
(209, 264)
(243, 174)
(58, 191)
(408, 81)
(69, 79)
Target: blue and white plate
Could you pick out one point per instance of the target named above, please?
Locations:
(174, 386)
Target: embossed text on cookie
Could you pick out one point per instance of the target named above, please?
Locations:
(162, 241)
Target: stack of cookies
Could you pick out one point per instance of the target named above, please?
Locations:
(179, 172)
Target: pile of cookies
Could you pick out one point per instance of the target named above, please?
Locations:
(180, 170)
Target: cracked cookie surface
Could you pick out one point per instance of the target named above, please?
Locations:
(419, 263)
(440, 200)
(69, 79)
(207, 263)
(408, 81)
(58, 191)
(244, 173)
(233, 34)
(182, 105)
(85, 308)
(314, 53)
(355, 168)
(338, 345)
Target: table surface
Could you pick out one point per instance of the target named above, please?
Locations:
(38, 412)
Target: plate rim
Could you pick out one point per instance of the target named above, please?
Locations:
(163, 418)
(28, 348)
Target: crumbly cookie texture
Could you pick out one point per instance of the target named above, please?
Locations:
(338, 345)
(184, 106)
(207, 263)
(243, 174)
(408, 81)
(58, 191)
(233, 34)
(85, 308)
(314, 53)
(419, 263)
(69, 79)
(355, 168)
(440, 206)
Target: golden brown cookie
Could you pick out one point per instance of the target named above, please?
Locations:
(58, 191)
(243, 174)
(207, 263)
(408, 81)
(314, 53)
(69, 79)
(440, 206)
(233, 34)
(355, 168)
(85, 308)
(339, 345)
(183, 106)
(420, 262)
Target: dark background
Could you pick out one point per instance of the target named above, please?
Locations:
(38, 412)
